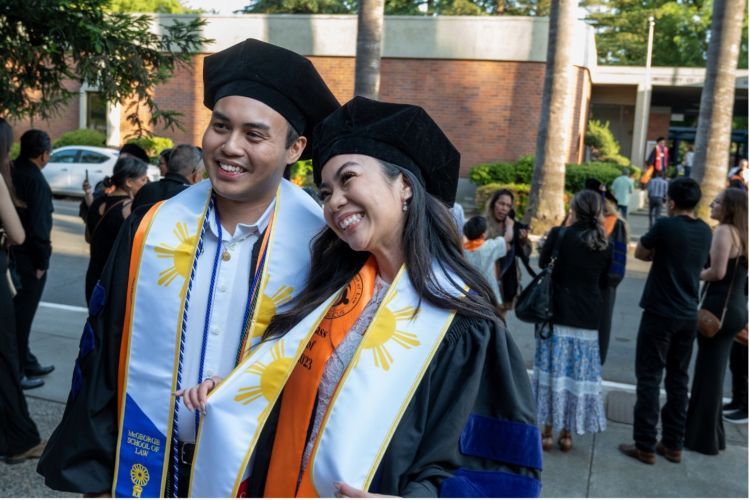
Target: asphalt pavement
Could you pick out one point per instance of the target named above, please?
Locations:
(594, 468)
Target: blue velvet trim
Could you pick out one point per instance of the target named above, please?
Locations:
(98, 299)
(87, 344)
(503, 441)
(619, 258)
(467, 483)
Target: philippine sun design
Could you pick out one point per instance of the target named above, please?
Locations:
(269, 304)
(181, 255)
(384, 331)
(271, 377)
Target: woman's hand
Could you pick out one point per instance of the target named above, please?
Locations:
(346, 491)
(195, 397)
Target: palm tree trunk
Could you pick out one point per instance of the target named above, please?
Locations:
(714, 132)
(369, 48)
(546, 207)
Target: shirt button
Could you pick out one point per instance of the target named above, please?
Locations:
(215, 330)
(222, 288)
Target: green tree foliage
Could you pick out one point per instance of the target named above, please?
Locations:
(680, 35)
(604, 146)
(157, 6)
(46, 44)
(153, 144)
(405, 7)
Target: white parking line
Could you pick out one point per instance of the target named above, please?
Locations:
(64, 307)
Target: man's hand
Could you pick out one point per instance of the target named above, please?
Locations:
(40, 273)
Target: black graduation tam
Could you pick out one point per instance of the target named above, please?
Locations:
(277, 77)
(402, 134)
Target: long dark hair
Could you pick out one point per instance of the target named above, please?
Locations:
(127, 167)
(734, 213)
(6, 141)
(587, 206)
(429, 235)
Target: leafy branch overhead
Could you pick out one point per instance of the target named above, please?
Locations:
(47, 44)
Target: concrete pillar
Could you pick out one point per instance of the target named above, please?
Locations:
(640, 125)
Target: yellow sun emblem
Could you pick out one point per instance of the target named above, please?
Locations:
(181, 255)
(268, 307)
(271, 377)
(139, 476)
(383, 330)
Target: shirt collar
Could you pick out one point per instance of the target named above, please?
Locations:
(243, 231)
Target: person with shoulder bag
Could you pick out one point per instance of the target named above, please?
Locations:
(107, 213)
(724, 300)
(567, 370)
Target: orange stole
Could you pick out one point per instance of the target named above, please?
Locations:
(609, 224)
(135, 262)
(472, 245)
(301, 389)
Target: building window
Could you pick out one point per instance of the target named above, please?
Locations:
(96, 112)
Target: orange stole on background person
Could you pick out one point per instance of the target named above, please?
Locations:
(301, 391)
(472, 245)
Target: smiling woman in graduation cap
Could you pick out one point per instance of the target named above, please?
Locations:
(405, 381)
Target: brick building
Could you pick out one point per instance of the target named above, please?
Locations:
(481, 78)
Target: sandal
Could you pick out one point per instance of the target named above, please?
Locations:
(547, 438)
(565, 441)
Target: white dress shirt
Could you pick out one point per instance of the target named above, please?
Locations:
(231, 287)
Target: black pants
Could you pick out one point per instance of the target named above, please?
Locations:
(623, 211)
(738, 367)
(26, 303)
(663, 343)
(655, 205)
(18, 432)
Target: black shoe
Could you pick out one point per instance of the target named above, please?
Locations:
(39, 370)
(730, 407)
(736, 417)
(31, 383)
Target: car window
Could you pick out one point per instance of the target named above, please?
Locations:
(92, 157)
(67, 156)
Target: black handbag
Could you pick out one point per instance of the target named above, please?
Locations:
(534, 304)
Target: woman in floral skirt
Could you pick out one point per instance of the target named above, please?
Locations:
(567, 369)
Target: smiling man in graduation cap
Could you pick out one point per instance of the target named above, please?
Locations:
(193, 282)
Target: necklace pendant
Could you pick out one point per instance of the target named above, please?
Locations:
(225, 256)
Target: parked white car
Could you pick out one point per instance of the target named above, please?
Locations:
(68, 166)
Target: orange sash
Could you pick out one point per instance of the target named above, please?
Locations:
(609, 224)
(301, 391)
(472, 245)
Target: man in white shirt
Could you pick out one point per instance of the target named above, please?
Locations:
(122, 431)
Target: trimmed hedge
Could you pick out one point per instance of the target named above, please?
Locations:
(521, 172)
(81, 137)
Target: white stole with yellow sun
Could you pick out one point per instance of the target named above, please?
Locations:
(157, 311)
(363, 414)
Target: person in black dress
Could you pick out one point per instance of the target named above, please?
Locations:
(107, 213)
(19, 437)
(725, 287)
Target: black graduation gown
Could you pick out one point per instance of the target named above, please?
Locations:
(80, 454)
(469, 430)
(473, 410)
